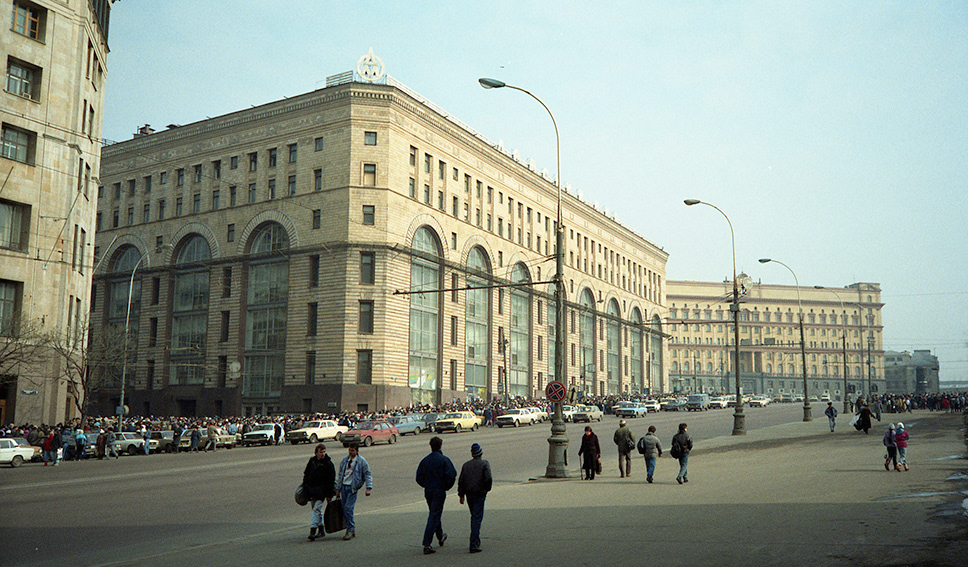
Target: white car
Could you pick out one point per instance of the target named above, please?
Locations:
(587, 413)
(316, 431)
(759, 401)
(567, 412)
(717, 402)
(651, 405)
(14, 454)
(516, 417)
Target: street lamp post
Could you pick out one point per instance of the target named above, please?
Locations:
(847, 403)
(558, 442)
(739, 418)
(807, 411)
(124, 346)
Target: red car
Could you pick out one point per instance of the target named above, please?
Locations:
(366, 433)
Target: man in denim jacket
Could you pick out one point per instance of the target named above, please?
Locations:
(354, 474)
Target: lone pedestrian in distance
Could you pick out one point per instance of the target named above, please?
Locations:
(474, 483)
(319, 486)
(901, 438)
(212, 436)
(195, 438)
(865, 419)
(890, 441)
(110, 438)
(591, 453)
(354, 473)
(681, 447)
(625, 442)
(436, 474)
(650, 448)
(831, 413)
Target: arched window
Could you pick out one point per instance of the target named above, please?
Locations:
(189, 312)
(477, 330)
(587, 344)
(614, 342)
(519, 355)
(425, 274)
(265, 318)
(121, 314)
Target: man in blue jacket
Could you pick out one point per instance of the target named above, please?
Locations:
(354, 473)
(436, 474)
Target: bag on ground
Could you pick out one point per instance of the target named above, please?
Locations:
(333, 519)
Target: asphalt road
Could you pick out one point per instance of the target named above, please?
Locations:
(156, 509)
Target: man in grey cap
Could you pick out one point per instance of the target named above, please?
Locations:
(474, 484)
(626, 442)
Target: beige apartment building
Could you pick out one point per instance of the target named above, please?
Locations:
(282, 245)
(701, 352)
(51, 112)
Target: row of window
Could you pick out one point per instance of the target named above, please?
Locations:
(754, 315)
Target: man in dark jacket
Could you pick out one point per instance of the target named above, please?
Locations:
(319, 486)
(681, 446)
(474, 483)
(436, 474)
(650, 448)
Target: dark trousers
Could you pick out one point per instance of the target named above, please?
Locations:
(476, 506)
(435, 501)
(624, 463)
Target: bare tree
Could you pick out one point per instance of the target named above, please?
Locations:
(21, 347)
(89, 364)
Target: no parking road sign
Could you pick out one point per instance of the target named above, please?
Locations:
(555, 391)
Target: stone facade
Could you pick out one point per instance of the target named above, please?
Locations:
(371, 193)
(907, 372)
(702, 355)
(52, 103)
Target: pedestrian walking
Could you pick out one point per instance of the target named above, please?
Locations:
(865, 419)
(650, 448)
(109, 439)
(354, 473)
(592, 453)
(194, 439)
(474, 483)
(80, 445)
(176, 434)
(212, 436)
(146, 435)
(890, 441)
(49, 455)
(831, 413)
(681, 447)
(100, 445)
(319, 486)
(901, 438)
(436, 474)
(625, 442)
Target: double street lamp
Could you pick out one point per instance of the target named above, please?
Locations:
(807, 412)
(739, 419)
(558, 442)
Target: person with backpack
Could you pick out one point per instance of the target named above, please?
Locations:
(650, 448)
(681, 447)
(625, 441)
(831, 413)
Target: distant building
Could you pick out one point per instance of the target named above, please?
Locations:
(907, 373)
(701, 355)
(291, 227)
(52, 107)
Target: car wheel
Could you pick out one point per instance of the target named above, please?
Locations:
(368, 441)
(313, 438)
(17, 461)
(393, 439)
(169, 449)
(499, 426)
(474, 428)
(293, 442)
(457, 428)
(516, 423)
(416, 431)
(132, 450)
(339, 436)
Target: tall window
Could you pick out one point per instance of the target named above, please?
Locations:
(635, 352)
(9, 306)
(16, 144)
(14, 225)
(655, 357)
(23, 79)
(614, 343)
(265, 321)
(425, 274)
(477, 330)
(587, 343)
(190, 312)
(28, 19)
(519, 355)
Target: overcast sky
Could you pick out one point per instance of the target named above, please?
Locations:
(833, 134)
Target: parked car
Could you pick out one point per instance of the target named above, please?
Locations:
(260, 434)
(366, 433)
(129, 442)
(630, 410)
(428, 420)
(316, 431)
(515, 417)
(567, 412)
(697, 402)
(540, 412)
(457, 421)
(587, 413)
(651, 404)
(222, 439)
(717, 402)
(407, 424)
(37, 450)
(673, 404)
(759, 401)
(14, 454)
(164, 442)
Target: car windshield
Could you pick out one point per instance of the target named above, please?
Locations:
(264, 427)
(312, 424)
(452, 416)
(364, 425)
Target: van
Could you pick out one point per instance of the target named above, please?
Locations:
(698, 402)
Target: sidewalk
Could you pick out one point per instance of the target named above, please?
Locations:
(792, 494)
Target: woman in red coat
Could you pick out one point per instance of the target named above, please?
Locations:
(592, 453)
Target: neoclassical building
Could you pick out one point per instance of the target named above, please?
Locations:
(702, 353)
(907, 372)
(356, 247)
(51, 110)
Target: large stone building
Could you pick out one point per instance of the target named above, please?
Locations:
(907, 372)
(51, 111)
(277, 238)
(702, 353)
